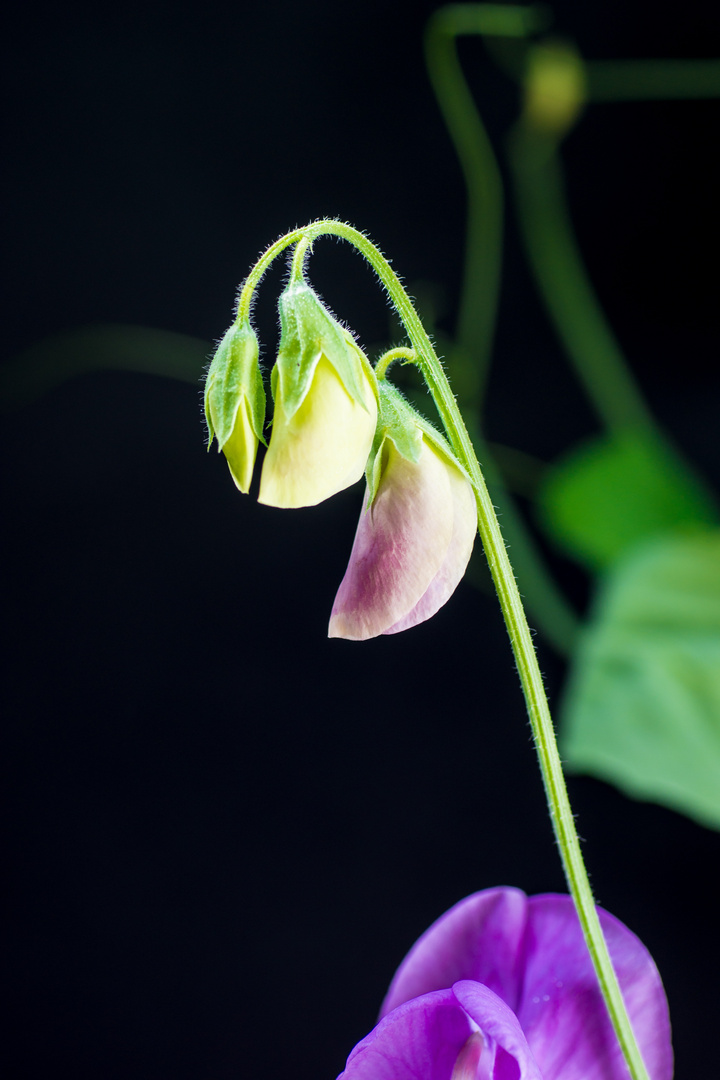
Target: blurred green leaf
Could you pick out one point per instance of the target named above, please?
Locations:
(613, 492)
(642, 709)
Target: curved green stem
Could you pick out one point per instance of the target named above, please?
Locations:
(550, 611)
(565, 287)
(302, 250)
(407, 356)
(520, 638)
(256, 274)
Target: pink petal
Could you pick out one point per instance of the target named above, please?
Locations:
(457, 556)
(400, 546)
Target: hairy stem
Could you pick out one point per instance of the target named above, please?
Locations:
(520, 639)
(256, 274)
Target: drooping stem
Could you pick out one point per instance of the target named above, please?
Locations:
(256, 274)
(550, 610)
(520, 638)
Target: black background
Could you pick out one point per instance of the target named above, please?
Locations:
(223, 830)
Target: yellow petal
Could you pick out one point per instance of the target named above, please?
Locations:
(241, 448)
(323, 447)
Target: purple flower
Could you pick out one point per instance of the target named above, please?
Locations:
(501, 987)
(411, 547)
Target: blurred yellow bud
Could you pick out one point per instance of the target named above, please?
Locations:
(555, 89)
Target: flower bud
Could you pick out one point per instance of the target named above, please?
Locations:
(235, 402)
(325, 397)
(554, 87)
(416, 530)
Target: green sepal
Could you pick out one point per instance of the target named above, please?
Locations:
(400, 423)
(308, 331)
(234, 374)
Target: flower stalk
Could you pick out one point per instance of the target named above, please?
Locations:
(510, 602)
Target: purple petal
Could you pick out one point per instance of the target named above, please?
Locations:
(400, 545)
(426, 1038)
(419, 1041)
(457, 556)
(533, 955)
(480, 938)
(501, 1029)
(562, 1012)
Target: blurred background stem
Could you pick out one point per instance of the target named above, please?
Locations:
(485, 207)
(553, 251)
(564, 284)
(477, 314)
(652, 80)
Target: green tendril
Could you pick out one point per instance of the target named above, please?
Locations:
(406, 356)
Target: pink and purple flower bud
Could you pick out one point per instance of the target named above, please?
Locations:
(416, 530)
